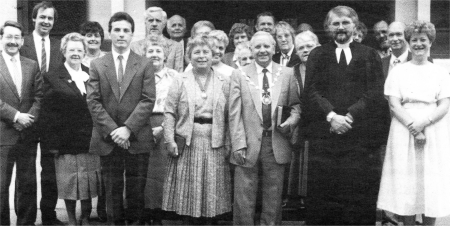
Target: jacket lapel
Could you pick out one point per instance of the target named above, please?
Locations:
(217, 87)
(67, 79)
(130, 71)
(26, 76)
(190, 85)
(7, 76)
(111, 74)
(275, 90)
(252, 75)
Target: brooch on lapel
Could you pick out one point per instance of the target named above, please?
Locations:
(69, 81)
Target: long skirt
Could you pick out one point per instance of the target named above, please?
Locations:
(78, 176)
(198, 181)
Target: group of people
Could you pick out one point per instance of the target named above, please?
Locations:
(179, 125)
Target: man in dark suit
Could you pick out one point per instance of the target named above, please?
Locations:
(284, 35)
(399, 46)
(20, 100)
(343, 85)
(121, 95)
(258, 141)
(40, 47)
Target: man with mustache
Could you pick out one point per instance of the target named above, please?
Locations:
(258, 141)
(20, 103)
(40, 47)
(343, 85)
(380, 30)
(155, 21)
(284, 35)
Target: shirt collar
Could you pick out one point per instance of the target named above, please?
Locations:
(345, 45)
(402, 57)
(125, 55)
(259, 68)
(37, 36)
(289, 53)
(162, 73)
(8, 57)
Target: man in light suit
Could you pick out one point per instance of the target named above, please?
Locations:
(120, 96)
(284, 35)
(258, 143)
(39, 47)
(20, 102)
(155, 22)
(343, 86)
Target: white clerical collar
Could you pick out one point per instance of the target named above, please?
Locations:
(259, 68)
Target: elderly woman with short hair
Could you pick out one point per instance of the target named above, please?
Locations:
(243, 54)
(67, 130)
(416, 169)
(157, 162)
(239, 33)
(195, 127)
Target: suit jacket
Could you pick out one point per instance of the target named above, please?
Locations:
(180, 109)
(66, 123)
(246, 113)
(387, 60)
(10, 102)
(357, 90)
(28, 50)
(228, 60)
(172, 49)
(112, 107)
(294, 59)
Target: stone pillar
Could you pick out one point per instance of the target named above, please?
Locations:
(8, 11)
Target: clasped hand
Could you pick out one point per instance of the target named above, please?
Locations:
(120, 136)
(341, 124)
(240, 156)
(24, 120)
(417, 126)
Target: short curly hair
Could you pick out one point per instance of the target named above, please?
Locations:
(419, 27)
(74, 37)
(220, 36)
(198, 41)
(239, 28)
(92, 27)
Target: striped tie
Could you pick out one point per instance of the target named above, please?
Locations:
(43, 58)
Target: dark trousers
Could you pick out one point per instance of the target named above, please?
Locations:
(343, 183)
(25, 204)
(49, 188)
(134, 166)
(246, 187)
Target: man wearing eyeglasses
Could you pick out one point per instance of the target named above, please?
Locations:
(343, 86)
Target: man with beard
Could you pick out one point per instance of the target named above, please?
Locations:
(380, 30)
(343, 84)
(40, 47)
(20, 103)
(284, 35)
(155, 21)
(265, 21)
(258, 141)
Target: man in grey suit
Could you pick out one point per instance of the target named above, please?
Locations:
(120, 96)
(20, 102)
(155, 21)
(258, 142)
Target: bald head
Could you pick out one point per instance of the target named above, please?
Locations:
(396, 38)
(176, 27)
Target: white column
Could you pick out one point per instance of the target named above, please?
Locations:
(424, 10)
(8, 11)
(100, 11)
(406, 10)
(117, 6)
(136, 9)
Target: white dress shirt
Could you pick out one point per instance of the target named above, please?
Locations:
(125, 55)
(283, 61)
(38, 45)
(17, 78)
(402, 58)
(260, 74)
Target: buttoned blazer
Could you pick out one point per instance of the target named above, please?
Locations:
(173, 50)
(179, 109)
(114, 105)
(10, 102)
(245, 119)
(28, 50)
(66, 124)
(228, 60)
(294, 59)
(356, 90)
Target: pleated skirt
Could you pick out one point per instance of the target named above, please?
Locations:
(78, 176)
(198, 181)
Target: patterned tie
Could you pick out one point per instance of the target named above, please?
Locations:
(43, 58)
(266, 108)
(16, 76)
(396, 61)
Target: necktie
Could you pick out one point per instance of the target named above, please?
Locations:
(284, 59)
(120, 73)
(396, 61)
(43, 58)
(266, 108)
(342, 60)
(17, 77)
